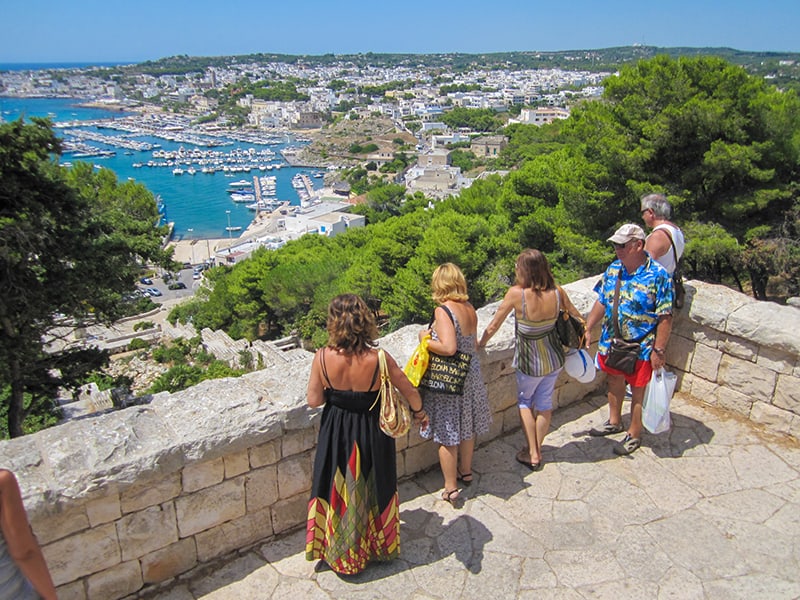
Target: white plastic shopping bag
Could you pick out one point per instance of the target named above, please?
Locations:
(655, 412)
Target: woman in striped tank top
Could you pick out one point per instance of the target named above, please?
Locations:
(539, 357)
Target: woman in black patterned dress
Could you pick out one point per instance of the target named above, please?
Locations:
(354, 512)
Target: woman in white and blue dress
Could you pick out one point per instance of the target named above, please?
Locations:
(455, 419)
(538, 357)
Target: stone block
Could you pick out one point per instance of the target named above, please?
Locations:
(700, 334)
(79, 555)
(680, 352)
(203, 475)
(400, 464)
(510, 419)
(265, 454)
(747, 378)
(776, 360)
(57, 526)
(740, 348)
(289, 513)
(147, 530)
(294, 475)
(169, 562)
(234, 535)
(236, 463)
(734, 401)
(700, 388)
(103, 510)
(296, 442)
(117, 582)
(787, 393)
(772, 417)
(151, 493)
(713, 304)
(261, 488)
(420, 458)
(210, 507)
(794, 427)
(766, 324)
(705, 362)
(502, 393)
(72, 591)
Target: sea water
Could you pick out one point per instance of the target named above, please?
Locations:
(199, 205)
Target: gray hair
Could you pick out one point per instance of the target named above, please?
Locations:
(659, 204)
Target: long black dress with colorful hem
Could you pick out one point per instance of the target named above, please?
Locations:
(354, 511)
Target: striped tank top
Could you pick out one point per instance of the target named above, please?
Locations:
(538, 351)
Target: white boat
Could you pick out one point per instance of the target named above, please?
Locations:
(242, 197)
(241, 183)
(234, 228)
(177, 171)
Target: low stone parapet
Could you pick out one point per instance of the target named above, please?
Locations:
(132, 499)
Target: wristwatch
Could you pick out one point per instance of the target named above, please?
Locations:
(658, 351)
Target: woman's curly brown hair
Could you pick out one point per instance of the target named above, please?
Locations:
(351, 324)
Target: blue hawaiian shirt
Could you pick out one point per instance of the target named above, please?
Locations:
(644, 296)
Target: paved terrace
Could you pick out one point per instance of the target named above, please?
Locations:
(710, 509)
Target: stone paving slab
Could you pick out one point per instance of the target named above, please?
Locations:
(710, 509)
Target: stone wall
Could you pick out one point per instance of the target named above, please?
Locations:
(129, 500)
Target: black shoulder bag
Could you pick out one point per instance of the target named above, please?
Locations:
(623, 354)
(678, 291)
(446, 374)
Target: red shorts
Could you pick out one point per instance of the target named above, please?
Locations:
(640, 376)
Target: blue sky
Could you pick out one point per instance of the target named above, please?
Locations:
(123, 30)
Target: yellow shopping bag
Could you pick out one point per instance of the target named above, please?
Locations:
(418, 363)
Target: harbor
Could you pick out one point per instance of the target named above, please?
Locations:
(148, 148)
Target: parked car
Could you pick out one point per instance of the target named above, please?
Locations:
(154, 291)
(146, 281)
(178, 285)
(196, 275)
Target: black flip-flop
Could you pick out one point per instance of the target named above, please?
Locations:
(532, 466)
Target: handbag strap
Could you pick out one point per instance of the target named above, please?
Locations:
(449, 314)
(615, 306)
(384, 369)
(674, 250)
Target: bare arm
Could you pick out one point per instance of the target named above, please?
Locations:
(658, 243)
(569, 306)
(506, 306)
(663, 331)
(595, 316)
(315, 393)
(22, 544)
(447, 344)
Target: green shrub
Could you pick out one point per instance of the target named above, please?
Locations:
(138, 344)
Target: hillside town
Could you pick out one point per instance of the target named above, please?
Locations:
(386, 105)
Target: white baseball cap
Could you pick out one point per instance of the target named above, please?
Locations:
(579, 365)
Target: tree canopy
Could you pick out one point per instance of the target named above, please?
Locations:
(71, 246)
(722, 144)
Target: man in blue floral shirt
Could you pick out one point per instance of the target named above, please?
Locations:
(645, 315)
